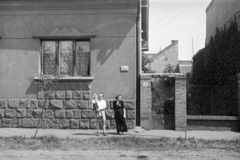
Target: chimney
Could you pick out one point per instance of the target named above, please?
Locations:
(174, 41)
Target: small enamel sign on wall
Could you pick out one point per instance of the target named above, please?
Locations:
(145, 84)
(124, 69)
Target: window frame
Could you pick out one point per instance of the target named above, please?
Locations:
(75, 39)
(58, 56)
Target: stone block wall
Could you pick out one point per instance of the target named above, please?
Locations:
(70, 109)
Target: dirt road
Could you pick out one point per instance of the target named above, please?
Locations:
(119, 155)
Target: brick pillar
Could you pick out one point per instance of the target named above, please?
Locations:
(180, 103)
(145, 102)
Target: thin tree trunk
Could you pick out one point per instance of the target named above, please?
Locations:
(39, 122)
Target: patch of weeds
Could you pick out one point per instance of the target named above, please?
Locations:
(191, 138)
(142, 157)
(51, 142)
(123, 155)
(180, 139)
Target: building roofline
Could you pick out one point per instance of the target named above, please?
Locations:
(151, 53)
(162, 51)
(210, 4)
(185, 62)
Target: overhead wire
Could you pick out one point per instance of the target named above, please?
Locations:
(172, 18)
(168, 14)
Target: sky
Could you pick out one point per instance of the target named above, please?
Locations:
(182, 20)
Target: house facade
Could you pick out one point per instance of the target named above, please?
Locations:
(93, 47)
(183, 67)
(168, 55)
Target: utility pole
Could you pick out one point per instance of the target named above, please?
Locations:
(138, 59)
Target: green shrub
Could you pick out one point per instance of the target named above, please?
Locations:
(217, 65)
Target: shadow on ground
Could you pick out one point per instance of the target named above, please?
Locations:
(82, 134)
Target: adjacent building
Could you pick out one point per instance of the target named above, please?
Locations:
(183, 66)
(220, 13)
(168, 55)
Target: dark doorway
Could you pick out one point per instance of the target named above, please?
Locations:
(163, 103)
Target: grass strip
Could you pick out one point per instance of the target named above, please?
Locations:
(51, 142)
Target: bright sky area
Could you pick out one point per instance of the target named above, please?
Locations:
(182, 20)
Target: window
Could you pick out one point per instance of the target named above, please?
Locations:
(65, 57)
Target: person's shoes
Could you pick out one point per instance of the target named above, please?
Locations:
(97, 134)
(104, 134)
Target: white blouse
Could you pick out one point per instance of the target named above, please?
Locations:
(102, 104)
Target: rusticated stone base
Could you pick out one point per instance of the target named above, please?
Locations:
(64, 110)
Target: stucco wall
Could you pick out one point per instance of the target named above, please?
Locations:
(113, 22)
(220, 13)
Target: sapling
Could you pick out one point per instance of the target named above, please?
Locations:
(46, 84)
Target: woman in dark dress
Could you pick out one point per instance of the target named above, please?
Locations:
(120, 115)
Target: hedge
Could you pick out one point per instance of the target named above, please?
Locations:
(217, 65)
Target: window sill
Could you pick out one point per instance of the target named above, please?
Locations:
(57, 37)
(68, 78)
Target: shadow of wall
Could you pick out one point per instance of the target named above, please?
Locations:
(113, 47)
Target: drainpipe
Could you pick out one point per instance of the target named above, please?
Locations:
(138, 61)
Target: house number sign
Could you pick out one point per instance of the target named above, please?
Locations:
(145, 84)
(124, 68)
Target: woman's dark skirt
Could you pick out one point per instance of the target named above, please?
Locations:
(120, 121)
